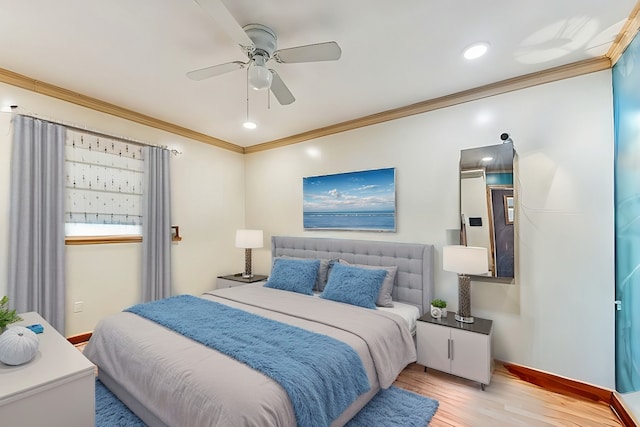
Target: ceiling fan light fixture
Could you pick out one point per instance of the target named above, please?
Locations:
(260, 77)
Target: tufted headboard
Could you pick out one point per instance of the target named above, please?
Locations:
(414, 280)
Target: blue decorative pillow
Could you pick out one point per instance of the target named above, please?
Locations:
(323, 271)
(353, 285)
(384, 296)
(294, 275)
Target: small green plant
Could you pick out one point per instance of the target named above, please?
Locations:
(439, 303)
(7, 316)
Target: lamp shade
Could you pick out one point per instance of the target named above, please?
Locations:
(260, 77)
(465, 259)
(249, 239)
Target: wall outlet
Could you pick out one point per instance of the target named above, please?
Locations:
(78, 306)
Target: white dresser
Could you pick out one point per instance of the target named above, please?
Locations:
(55, 389)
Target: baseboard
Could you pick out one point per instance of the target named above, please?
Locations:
(573, 388)
(80, 338)
(618, 406)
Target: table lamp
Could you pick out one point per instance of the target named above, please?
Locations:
(464, 260)
(248, 239)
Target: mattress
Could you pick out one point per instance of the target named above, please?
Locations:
(170, 380)
(408, 312)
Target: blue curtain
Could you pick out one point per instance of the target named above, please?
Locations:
(36, 220)
(156, 226)
(626, 97)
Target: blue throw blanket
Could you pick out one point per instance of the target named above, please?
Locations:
(321, 375)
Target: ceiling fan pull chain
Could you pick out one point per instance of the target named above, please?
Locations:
(248, 93)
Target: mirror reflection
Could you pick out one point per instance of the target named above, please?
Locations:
(487, 209)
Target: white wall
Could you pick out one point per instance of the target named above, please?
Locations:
(558, 317)
(207, 186)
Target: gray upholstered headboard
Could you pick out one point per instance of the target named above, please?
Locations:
(414, 280)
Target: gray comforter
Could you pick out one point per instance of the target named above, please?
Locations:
(171, 380)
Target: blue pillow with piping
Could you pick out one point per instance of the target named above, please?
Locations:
(294, 275)
(354, 285)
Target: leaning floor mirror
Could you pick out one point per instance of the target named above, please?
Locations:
(487, 209)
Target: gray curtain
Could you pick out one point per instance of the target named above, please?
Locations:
(36, 220)
(156, 226)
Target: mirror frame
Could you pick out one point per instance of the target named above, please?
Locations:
(496, 175)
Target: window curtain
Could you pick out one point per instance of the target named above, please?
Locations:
(156, 226)
(36, 220)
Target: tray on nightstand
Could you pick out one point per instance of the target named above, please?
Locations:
(238, 278)
(481, 326)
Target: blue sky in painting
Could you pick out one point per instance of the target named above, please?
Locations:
(372, 190)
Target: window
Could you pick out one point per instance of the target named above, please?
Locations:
(104, 180)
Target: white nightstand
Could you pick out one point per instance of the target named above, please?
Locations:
(462, 349)
(237, 280)
(56, 388)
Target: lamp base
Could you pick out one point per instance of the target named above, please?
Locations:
(247, 264)
(464, 299)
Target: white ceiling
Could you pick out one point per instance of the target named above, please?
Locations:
(135, 54)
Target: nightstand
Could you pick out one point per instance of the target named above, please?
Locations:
(462, 349)
(56, 388)
(237, 280)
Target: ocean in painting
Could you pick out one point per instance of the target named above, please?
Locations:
(350, 220)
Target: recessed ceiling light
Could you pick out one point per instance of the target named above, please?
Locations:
(249, 125)
(487, 159)
(476, 50)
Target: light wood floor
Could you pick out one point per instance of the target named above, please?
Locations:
(507, 401)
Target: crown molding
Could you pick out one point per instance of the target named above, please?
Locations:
(504, 86)
(529, 80)
(53, 91)
(625, 36)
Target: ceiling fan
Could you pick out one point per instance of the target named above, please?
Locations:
(259, 43)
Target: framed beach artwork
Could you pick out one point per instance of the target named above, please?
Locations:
(360, 201)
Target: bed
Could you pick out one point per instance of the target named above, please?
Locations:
(170, 376)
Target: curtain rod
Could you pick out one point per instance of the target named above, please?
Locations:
(93, 131)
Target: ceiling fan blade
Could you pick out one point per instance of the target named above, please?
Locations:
(216, 70)
(329, 51)
(280, 90)
(217, 10)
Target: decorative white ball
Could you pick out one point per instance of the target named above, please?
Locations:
(18, 345)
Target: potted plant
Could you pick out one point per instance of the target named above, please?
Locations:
(7, 316)
(440, 304)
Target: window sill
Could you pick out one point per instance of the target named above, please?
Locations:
(99, 240)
